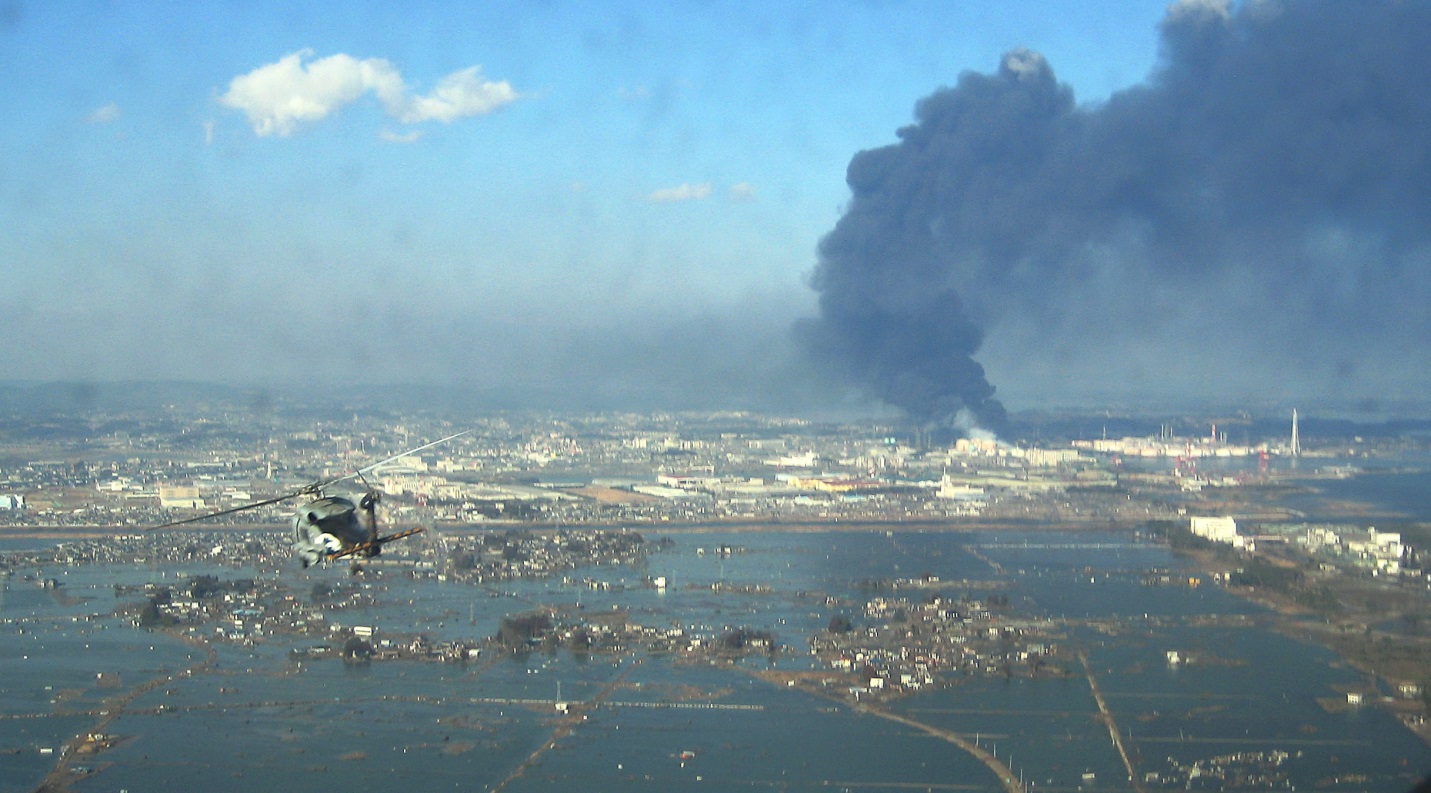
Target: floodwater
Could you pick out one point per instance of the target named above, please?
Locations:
(258, 720)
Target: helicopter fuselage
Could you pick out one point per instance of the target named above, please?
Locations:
(328, 526)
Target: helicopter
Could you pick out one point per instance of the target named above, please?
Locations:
(327, 528)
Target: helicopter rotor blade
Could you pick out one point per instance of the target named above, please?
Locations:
(232, 510)
(316, 487)
(365, 469)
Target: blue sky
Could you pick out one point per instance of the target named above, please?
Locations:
(649, 166)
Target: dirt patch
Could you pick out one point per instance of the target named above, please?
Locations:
(457, 747)
(610, 495)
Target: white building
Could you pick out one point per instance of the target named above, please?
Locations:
(180, 496)
(806, 460)
(948, 488)
(1221, 529)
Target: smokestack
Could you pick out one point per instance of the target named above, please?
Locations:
(1296, 441)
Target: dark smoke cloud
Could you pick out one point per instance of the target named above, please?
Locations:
(1266, 193)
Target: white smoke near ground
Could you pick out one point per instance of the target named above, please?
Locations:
(967, 424)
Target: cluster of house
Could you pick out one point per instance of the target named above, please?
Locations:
(485, 557)
(906, 644)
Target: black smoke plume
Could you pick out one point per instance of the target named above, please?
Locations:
(1262, 200)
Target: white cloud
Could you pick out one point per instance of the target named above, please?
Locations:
(208, 132)
(400, 137)
(103, 115)
(742, 191)
(686, 192)
(458, 95)
(278, 97)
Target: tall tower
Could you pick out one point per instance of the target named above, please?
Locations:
(1296, 441)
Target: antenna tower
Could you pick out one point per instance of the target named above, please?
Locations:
(1296, 441)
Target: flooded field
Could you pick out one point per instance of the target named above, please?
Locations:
(187, 708)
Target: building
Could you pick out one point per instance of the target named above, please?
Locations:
(180, 497)
(1221, 529)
